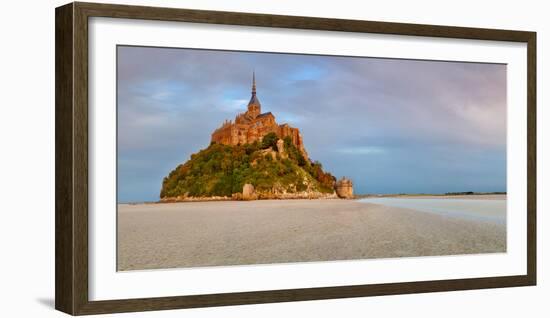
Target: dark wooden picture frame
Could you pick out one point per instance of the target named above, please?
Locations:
(71, 156)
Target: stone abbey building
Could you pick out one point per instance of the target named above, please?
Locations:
(253, 125)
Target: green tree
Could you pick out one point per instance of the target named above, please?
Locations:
(270, 140)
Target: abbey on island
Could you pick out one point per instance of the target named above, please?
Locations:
(253, 125)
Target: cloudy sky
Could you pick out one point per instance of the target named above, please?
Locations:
(393, 126)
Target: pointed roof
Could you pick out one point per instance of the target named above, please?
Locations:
(253, 82)
(254, 99)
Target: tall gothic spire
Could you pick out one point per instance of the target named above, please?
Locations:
(254, 107)
(253, 83)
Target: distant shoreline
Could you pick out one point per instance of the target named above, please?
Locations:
(356, 197)
(448, 194)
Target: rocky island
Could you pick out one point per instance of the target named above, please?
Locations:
(253, 157)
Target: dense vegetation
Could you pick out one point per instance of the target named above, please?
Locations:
(222, 170)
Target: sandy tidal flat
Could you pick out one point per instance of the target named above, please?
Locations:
(153, 236)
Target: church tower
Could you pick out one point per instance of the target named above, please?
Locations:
(254, 107)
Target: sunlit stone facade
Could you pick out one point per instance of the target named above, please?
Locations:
(252, 126)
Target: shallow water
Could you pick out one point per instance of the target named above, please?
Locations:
(493, 211)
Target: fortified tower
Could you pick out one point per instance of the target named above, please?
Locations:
(344, 188)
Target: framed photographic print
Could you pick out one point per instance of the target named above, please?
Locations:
(211, 158)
